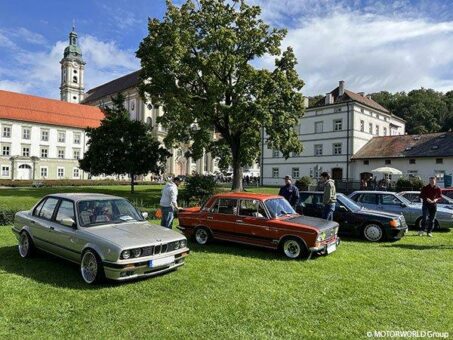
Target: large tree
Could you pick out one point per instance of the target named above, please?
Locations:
(199, 63)
(121, 146)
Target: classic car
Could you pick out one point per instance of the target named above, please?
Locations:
(447, 192)
(261, 220)
(355, 220)
(104, 234)
(394, 203)
(414, 197)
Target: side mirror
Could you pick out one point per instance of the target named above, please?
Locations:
(69, 222)
(145, 214)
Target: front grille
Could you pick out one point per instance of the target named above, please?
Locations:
(156, 250)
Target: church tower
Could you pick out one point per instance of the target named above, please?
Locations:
(72, 68)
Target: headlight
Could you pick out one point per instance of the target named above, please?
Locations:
(126, 254)
(136, 252)
(321, 236)
(182, 243)
(177, 245)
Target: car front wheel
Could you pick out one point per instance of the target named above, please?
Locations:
(91, 267)
(293, 248)
(373, 232)
(202, 236)
(26, 246)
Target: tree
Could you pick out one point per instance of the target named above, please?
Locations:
(122, 146)
(198, 63)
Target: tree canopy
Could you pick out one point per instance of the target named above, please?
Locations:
(199, 61)
(121, 146)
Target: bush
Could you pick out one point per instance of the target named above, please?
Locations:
(7, 216)
(198, 189)
(67, 182)
(303, 183)
(409, 183)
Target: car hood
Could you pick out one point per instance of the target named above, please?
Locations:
(377, 213)
(314, 222)
(134, 234)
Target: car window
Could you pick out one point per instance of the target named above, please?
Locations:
(66, 210)
(226, 206)
(252, 208)
(367, 198)
(310, 199)
(389, 200)
(48, 208)
(39, 207)
(413, 197)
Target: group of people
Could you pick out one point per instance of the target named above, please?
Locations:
(373, 184)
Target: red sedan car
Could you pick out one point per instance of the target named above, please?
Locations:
(262, 220)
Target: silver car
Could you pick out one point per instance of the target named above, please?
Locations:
(395, 203)
(105, 234)
(414, 197)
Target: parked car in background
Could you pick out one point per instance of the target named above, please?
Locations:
(355, 220)
(447, 192)
(262, 220)
(395, 203)
(104, 234)
(414, 197)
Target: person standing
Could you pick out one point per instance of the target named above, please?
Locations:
(430, 194)
(169, 202)
(329, 198)
(289, 191)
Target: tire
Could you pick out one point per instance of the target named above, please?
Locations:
(293, 248)
(419, 221)
(202, 236)
(26, 246)
(373, 232)
(91, 267)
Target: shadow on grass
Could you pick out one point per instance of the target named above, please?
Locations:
(421, 246)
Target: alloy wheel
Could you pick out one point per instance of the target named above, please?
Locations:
(89, 267)
(24, 244)
(201, 236)
(373, 232)
(292, 249)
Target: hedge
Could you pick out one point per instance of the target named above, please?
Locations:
(7, 216)
(67, 182)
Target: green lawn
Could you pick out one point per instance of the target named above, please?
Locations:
(232, 291)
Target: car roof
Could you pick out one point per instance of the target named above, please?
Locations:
(409, 192)
(246, 195)
(83, 196)
(374, 192)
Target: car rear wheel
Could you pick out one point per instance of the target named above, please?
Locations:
(91, 267)
(419, 222)
(26, 246)
(293, 248)
(202, 235)
(373, 232)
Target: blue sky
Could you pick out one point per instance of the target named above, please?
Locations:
(372, 45)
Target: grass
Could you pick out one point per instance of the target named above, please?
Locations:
(232, 291)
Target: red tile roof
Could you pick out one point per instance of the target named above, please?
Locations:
(27, 108)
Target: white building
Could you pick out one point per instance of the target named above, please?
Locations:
(331, 132)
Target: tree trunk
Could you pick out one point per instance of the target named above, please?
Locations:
(132, 183)
(237, 170)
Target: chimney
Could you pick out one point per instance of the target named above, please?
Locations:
(306, 102)
(329, 98)
(361, 94)
(341, 88)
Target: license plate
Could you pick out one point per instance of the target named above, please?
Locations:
(161, 262)
(331, 248)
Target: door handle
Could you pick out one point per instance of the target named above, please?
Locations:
(239, 221)
(210, 217)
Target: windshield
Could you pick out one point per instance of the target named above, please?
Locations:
(99, 212)
(348, 203)
(279, 207)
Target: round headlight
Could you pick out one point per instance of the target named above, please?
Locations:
(126, 254)
(177, 245)
(182, 243)
(136, 252)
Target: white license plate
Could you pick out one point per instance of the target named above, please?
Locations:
(161, 262)
(331, 248)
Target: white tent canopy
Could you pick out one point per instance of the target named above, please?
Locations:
(387, 170)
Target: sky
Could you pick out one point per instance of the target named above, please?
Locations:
(372, 45)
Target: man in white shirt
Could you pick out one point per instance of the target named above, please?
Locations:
(168, 202)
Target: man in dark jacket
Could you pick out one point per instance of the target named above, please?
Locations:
(430, 194)
(290, 191)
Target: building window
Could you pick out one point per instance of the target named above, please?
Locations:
(337, 124)
(74, 79)
(76, 154)
(362, 125)
(76, 138)
(60, 153)
(412, 173)
(439, 175)
(26, 151)
(318, 149)
(43, 172)
(26, 133)
(44, 153)
(318, 127)
(337, 148)
(377, 130)
(45, 135)
(366, 162)
(6, 150)
(388, 161)
(5, 171)
(412, 161)
(61, 136)
(76, 173)
(385, 131)
(295, 172)
(6, 132)
(275, 173)
(275, 153)
(439, 161)
(60, 172)
(370, 128)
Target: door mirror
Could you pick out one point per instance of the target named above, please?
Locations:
(145, 214)
(343, 208)
(69, 222)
